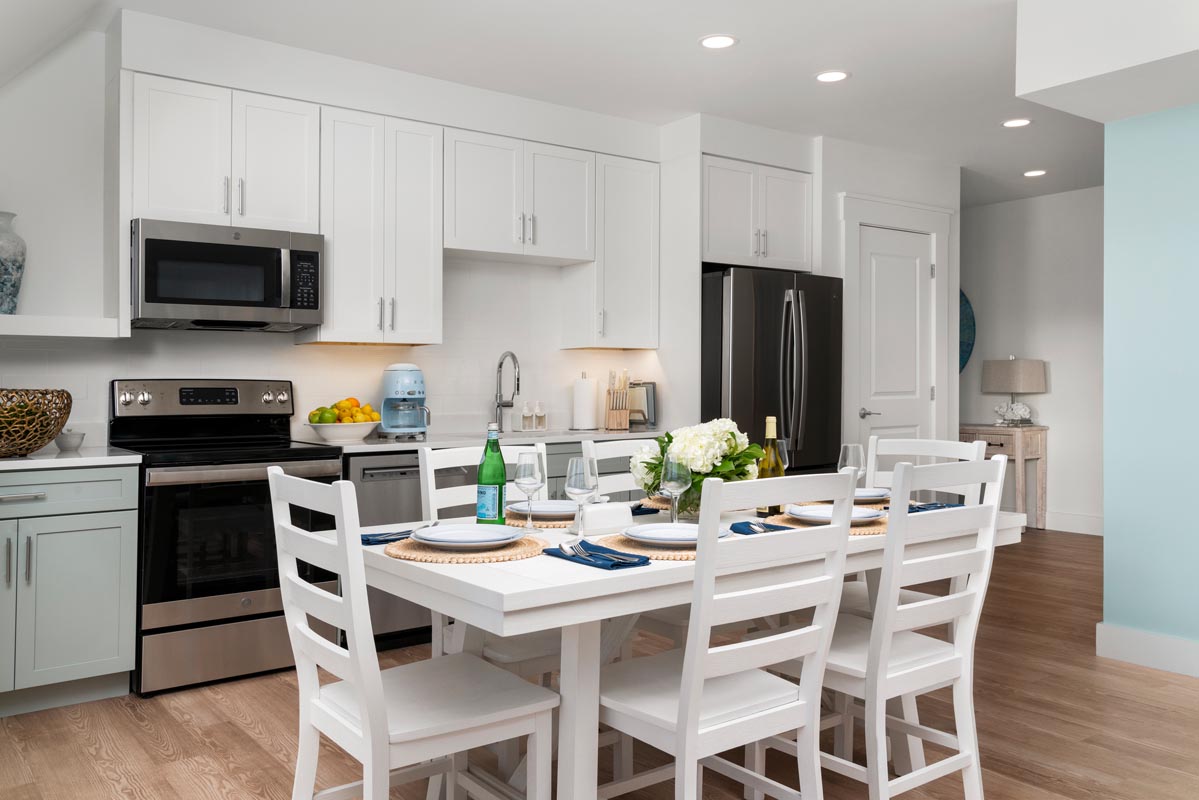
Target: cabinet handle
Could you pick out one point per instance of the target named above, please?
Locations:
(757, 238)
(28, 559)
(8, 562)
(599, 323)
(763, 243)
(380, 312)
(12, 498)
(532, 229)
(225, 197)
(520, 229)
(392, 303)
(241, 196)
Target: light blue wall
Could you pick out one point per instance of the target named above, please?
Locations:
(1151, 373)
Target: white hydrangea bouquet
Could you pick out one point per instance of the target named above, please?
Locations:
(715, 449)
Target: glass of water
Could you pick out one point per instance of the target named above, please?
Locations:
(676, 480)
(529, 479)
(851, 456)
(581, 484)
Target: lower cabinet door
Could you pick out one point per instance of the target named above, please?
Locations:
(76, 582)
(8, 602)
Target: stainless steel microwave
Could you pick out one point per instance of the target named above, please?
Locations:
(216, 277)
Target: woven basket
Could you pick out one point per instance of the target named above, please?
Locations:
(31, 418)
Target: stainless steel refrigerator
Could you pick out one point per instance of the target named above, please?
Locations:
(771, 346)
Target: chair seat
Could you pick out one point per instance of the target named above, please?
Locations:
(517, 649)
(648, 689)
(855, 598)
(443, 695)
(851, 643)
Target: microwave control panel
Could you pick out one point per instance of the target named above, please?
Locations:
(305, 280)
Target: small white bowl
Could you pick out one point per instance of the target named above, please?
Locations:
(343, 432)
(69, 441)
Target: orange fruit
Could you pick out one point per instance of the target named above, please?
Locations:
(353, 401)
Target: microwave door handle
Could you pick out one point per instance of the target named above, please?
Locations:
(285, 278)
(800, 371)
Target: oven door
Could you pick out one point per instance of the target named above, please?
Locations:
(208, 542)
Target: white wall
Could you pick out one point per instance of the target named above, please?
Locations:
(1033, 270)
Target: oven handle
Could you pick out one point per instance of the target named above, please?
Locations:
(234, 473)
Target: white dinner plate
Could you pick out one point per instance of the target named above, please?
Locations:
(819, 515)
(673, 534)
(871, 495)
(468, 536)
(545, 508)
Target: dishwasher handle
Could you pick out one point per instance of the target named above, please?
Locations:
(389, 473)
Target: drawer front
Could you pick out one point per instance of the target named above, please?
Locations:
(996, 442)
(46, 492)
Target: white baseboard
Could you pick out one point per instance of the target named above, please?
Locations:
(1074, 523)
(1149, 649)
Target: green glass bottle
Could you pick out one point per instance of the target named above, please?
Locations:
(493, 478)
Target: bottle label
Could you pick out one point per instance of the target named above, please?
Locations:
(490, 499)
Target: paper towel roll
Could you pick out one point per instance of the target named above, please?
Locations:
(583, 418)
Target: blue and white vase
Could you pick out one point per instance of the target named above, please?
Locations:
(12, 264)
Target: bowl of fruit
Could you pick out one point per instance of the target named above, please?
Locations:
(344, 422)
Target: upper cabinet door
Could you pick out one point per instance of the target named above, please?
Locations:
(276, 163)
(559, 202)
(354, 285)
(785, 218)
(627, 251)
(413, 250)
(181, 151)
(484, 192)
(730, 218)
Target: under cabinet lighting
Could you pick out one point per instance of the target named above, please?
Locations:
(832, 75)
(1017, 123)
(718, 41)
(1034, 173)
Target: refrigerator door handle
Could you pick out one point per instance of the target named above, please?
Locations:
(786, 376)
(800, 399)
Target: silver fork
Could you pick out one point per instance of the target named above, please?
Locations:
(395, 537)
(576, 549)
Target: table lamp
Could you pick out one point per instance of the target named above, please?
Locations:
(1012, 377)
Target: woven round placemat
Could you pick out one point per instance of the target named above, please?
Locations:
(409, 550)
(660, 503)
(854, 530)
(517, 520)
(626, 545)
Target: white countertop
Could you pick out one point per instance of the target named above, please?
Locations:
(83, 457)
(439, 440)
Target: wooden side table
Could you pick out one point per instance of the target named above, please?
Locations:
(1020, 443)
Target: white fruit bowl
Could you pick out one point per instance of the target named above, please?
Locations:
(343, 432)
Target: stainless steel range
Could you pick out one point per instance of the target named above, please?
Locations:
(208, 581)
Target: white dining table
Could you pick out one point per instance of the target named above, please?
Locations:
(546, 593)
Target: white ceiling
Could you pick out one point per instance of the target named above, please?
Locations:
(931, 77)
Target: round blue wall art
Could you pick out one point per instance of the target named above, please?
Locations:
(966, 327)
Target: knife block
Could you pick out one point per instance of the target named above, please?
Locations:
(615, 419)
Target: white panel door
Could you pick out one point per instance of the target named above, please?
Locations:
(896, 360)
(785, 218)
(413, 251)
(627, 251)
(559, 202)
(276, 163)
(352, 221)
(181, 150)
(484, 192)
(730, 213)
(8, 602)
(76, 597)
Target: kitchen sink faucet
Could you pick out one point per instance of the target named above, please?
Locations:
(500, 402)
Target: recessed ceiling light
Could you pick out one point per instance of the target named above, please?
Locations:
(832, 75)
(1034, 173)
(718, 41)
(1017, 123)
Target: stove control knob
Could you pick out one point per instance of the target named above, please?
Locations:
(282, 397)
(268, 397)
(144, 398)
(125, 398)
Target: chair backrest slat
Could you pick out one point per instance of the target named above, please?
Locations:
(621, 448)
(920, 451)
(311, 547)
(434, 497)
(936, 611)
(762, 652)
(316, 602)
(777, 546)
(765, 601)
(945, 521)
(939, 567)
(324, 653)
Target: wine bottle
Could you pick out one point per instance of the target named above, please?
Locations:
(771, 464)
(493, 478)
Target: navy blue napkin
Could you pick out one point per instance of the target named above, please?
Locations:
(369, 539)
(744, 529)
(599, 557)
(640, 511)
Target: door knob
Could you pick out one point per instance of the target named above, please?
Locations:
(864, 412)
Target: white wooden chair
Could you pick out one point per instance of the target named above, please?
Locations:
(857, 597)
(622, 448)
(420, 718)
(699, 701)
(874, 661)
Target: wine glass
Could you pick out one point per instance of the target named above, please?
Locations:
(851, 456)
(676, 480)
(529, 479)
(581, 484)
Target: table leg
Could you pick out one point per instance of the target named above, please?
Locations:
(1042, 479)
(578, 735)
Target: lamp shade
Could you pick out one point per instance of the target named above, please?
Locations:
(1014, 376)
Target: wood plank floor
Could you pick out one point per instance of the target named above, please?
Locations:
(1055, 721)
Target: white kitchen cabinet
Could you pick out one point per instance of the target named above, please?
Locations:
(484, 192)
(76, 597)
(212, 155)
(413, 232)
(755, 215)
(181, 150)
(515, 198)
(276, 163)
(8, 604)
(613, 302)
